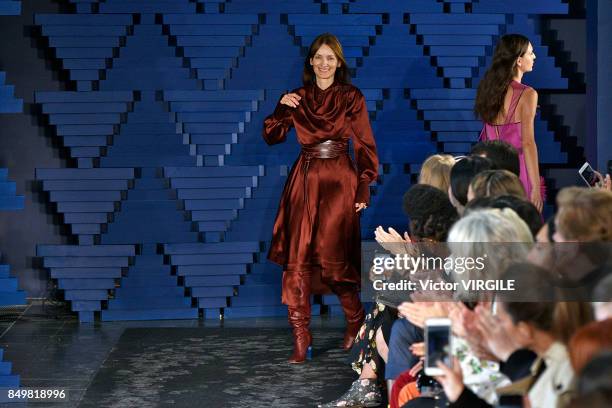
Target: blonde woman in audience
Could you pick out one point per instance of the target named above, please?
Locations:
(435, 171)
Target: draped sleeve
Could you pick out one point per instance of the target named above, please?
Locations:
(365, 147)
(278, 124)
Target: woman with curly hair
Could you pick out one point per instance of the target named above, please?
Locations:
(508, 108)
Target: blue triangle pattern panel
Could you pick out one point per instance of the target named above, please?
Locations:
(10, 7)
(10, 294)
(9, 200)
(85, 43)
(211, 44)
(8, 380)
(8, 102)
(173, 194)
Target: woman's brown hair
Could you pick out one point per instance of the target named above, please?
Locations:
(585, 214)
(493, 86)
(342, 75)
(569, 317)
(492, 183)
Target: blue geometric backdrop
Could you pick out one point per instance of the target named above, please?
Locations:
(173, 193)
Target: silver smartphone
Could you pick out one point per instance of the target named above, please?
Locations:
(588, 175)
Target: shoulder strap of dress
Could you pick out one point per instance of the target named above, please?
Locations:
(517, 92)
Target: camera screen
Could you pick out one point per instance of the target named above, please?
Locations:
(438, 345)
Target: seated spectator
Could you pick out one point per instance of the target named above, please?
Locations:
(500, 234)
(526, 210)
(435, 171)
(596, 376)
(492, 183)
(531, 325)
(503, 155)
(590, 340)
(431, 216)
(502, 339)
(584, 215)
(461, 176)
(491, 225)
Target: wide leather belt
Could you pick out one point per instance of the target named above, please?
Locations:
(329, 149)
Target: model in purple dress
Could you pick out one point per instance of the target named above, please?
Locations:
(508, 108)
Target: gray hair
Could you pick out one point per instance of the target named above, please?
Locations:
(498, 235)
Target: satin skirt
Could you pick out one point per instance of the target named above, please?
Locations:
(316, 234)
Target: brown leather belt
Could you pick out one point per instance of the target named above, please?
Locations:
(330, 149)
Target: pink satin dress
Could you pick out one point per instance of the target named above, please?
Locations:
(510, 132)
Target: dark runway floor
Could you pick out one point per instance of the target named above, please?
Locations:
(235, 363)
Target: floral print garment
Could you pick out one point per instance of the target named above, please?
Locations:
(364, 349)
(480, 376)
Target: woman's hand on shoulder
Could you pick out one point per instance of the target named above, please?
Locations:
(291, 99)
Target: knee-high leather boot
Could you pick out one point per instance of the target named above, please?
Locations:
(299, 315)
(353, 313)
(299, 318)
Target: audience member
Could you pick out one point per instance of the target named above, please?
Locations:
(590, 340)
(526, 210)
(492, 183)
(596, 375)
(503, 155)
(584, 215)
(435, 171)
(531, 324)
(461, 176)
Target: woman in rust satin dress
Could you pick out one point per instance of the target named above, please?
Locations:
(316, 236)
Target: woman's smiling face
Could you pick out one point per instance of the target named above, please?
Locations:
(324, 63)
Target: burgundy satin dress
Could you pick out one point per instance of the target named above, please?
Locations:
(317, 229)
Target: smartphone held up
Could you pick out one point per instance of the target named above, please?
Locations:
(438, 345)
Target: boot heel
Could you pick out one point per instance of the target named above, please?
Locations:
(309, 353)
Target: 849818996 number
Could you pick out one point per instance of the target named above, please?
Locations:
(36, 394)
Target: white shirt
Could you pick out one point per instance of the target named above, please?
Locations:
(555, 379)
